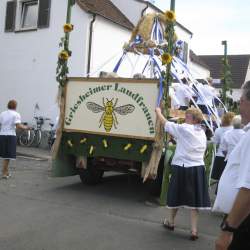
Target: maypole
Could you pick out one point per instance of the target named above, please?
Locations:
(166, 60)
(62, 72)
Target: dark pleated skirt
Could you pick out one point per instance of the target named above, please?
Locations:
(188, 188)
(8, 146)
(218, 167)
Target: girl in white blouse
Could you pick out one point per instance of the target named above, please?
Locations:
(9, 121)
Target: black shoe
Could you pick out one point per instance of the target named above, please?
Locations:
(194, 236)
(167, 225)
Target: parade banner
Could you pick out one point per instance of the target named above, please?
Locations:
(115, 107)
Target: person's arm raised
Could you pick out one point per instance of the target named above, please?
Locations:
(22, 126)
(160, 116)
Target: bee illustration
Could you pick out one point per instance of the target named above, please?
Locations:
(109, 118)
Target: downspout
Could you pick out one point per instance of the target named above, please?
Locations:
(143, 10)
(90, 43)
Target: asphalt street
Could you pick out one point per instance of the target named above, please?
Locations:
(42, 213)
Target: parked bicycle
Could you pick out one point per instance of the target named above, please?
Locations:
(33, 136)
(51, 135)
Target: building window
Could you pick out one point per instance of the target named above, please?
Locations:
(29, 15)
(24, 15)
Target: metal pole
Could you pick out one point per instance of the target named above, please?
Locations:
(68, 20)
(225, 47)
(172, 5)
(224, 86)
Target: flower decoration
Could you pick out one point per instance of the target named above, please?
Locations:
(68, 27)
(105, 144)
(70, 144)
(83, 140)
(143, 148)
(64, 55)
(127, 147)
(91, 150)
(170, 16)
(166, 58)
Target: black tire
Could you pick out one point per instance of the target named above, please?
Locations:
(38, 137)
(92, 175)
(26, 137)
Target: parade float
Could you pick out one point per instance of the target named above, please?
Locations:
(109, 123)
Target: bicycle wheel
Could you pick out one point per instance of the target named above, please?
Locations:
(38, 137)
(26, 137)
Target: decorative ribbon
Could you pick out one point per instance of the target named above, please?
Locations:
(157, 69)
(192, 99)
(119, 62)
(186, 71)
(137, 40)
(157, 33)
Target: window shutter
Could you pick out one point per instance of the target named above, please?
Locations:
(10, 16)
(44, 13)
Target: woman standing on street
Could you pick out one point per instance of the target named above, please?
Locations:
(9, 121)
(219, 161)
(188, 184)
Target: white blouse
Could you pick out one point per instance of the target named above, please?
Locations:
(191, 144)
(218, 136)
(8, 121)
(183, 94)
(230, 140)
(208, 93)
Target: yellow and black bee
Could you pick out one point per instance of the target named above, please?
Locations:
(108, 118)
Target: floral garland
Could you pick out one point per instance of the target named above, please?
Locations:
(62, 71)
(63, 56)
(166, 58)
(170, 51)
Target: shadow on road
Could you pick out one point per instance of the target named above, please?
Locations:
(117, 186)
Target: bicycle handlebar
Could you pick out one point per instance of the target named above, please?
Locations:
(41, 118)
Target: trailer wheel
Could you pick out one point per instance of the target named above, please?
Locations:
(91, 175)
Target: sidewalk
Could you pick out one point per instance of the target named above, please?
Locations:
(41, 153)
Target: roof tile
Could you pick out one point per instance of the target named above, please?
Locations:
(196, 59)
(106, 9)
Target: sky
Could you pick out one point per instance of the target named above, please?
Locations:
(213, 21)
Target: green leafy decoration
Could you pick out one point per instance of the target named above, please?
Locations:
(62, 69)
